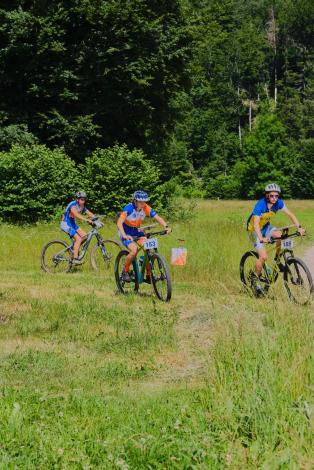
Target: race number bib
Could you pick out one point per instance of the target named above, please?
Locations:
(287, 244)
(150, 244)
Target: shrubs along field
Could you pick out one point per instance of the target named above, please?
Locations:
(37, 182)
(214, 379)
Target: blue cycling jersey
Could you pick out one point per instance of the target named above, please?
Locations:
(67, 213)
(133, 217)
(261, 209)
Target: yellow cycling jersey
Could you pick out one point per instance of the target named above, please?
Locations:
(261, 209)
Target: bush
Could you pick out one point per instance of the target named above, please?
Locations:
(189, 186)
(223, 187)
(171, 203)
(113, 174)
(34, 182)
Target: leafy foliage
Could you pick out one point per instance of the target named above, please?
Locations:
(113, 174)
(93, 72)
(34, 182)
(15, 134)
(266, 157)
(219, 95)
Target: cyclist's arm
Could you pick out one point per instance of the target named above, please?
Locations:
(162, 222)
(75, 213)
(293, 219)
(120, 227)
(89, 213)
(257, 229)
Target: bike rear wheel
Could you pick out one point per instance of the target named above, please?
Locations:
(248, 274)
(298, 281)
(160, 276)
(56, 257)
(103, 255)
(125, 287)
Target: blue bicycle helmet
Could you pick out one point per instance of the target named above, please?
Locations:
(140, 196)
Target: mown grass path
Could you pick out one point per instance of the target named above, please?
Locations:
(214, 379)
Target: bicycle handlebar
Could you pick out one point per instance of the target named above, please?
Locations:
(162, 232)
(96, 223)
(148, 227)
(283, 237)
(286, 227)
(149, 235)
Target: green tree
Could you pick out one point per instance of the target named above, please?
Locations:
(15, 134)
(267, 157)
(90, 73)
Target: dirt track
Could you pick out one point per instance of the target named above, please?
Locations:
(308, 257)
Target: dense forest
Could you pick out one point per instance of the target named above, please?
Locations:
(215, 98)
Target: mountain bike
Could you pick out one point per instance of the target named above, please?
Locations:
(296, 275)
(150, 267)
(57, 255)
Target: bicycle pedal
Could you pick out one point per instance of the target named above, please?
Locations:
(259, 291)
(281, 267)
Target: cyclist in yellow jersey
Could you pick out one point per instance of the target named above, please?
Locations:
(259, 227)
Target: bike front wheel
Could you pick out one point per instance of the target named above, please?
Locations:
(259, 286)
(56, 257)
(103, 255)
(125, 287)
(160, 276)
(298, 281)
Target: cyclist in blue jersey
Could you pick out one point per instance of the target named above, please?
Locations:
(259, 227)
(68, 225)
(129, 224)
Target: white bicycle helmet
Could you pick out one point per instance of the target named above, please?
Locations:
(272, 187)
(81, 194)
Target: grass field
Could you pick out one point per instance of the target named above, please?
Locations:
(214, 379)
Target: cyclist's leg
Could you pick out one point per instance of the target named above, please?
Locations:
(79, 237)
(269, 232)
(68, 229)
(132, 248)
(262, 257)
(262, 253)
(275, 233)
(148, 267)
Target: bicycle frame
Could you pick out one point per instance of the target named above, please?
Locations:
(140, 273)
(273, 270)
(92, 233)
